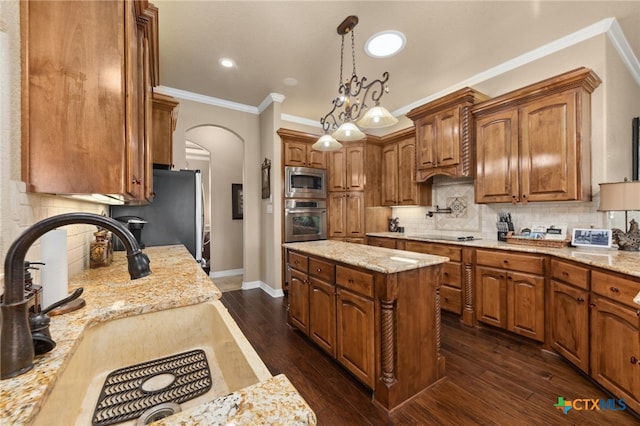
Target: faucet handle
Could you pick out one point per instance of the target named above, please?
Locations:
(76, 293)
(39, 324)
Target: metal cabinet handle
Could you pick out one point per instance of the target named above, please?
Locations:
(579, 299)
(615, 289)
(634, 360)
(319, 270)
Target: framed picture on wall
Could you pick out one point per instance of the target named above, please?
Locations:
(266, 179)
(236, 201)
(635, 148)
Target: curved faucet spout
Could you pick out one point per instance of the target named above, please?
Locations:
(17, 345)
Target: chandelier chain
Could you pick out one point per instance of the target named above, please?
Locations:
(353, 51)
(341, 60)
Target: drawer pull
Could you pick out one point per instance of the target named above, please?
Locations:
(350, 281)
(615, 289)
(634, 360)
(565, 274)
(319, 270)
(579, 299)
(592, 305)
(446, 274)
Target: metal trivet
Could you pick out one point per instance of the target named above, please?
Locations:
(123, 396)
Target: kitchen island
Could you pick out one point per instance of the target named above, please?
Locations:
(375, 310)
(176, 288)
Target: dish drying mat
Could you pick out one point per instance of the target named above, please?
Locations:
(123, 396)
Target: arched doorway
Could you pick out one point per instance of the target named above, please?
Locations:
(219, 153)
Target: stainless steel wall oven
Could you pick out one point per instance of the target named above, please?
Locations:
(305, 220)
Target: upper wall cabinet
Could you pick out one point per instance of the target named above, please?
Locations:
(165, 117)
(444, 135)
(297, 150)
(398, 186)
(533, 144)
(87, 76)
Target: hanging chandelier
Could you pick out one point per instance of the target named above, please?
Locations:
(352, 105)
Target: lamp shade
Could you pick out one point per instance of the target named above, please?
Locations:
(348, 132)
(377, 118)
(620, 196)
(326, 143)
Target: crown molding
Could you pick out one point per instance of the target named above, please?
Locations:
(271, 98)
(209, 100)
(300, 120)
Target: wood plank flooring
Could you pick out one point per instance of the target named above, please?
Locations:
(493, 378)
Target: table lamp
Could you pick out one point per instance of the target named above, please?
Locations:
(622, 196)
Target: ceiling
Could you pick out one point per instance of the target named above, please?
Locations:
(448, 42)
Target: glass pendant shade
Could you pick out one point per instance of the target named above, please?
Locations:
(326, 143)
(348, 132)
(377, 118)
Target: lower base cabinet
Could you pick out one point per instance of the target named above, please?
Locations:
(355, 329)
(570, 323)
(322, 315)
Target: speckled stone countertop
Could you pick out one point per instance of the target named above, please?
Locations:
(625, 262)
(272, 402)
(377, 259)
(176, 280)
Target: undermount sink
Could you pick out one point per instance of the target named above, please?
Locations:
(124, 342)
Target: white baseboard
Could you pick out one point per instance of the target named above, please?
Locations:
(227, 273)
(264, 287)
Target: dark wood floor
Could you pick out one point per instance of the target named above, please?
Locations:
(493, 378)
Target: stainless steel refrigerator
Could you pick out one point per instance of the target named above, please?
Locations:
(176, 214)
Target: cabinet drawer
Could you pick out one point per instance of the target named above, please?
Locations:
(298, 261)
(381, 242)
(451, 274)
(570, 273)
(513, 262)
(451, 299)
(360, 282)
(620, 289)
(322, 269)
(453, 253)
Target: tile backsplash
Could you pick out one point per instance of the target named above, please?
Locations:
(479, 220)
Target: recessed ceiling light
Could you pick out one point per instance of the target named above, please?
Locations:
(385, 44)
(227, 63)
(290, 81)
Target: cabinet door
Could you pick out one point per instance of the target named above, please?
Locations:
(448, 138)
(355, 215)
(570, 323)
(299, 300)
(525, 302)
(548, 149)
(164, 124)
(316, 159)
(615, 349)
(295, 154)
(426, 134)
(355, 168)
(497, 158)
(491, 296)
(407, 186)
(322, 314)
(390, 174)
(336, 215)
(337, 170)
(355, 335)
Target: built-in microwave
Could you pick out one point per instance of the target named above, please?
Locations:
(305, 182)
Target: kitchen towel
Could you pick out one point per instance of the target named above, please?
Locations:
(55, 271)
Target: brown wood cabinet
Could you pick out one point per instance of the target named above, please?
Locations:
(510, 292)
(383, 328)
(398, 184)
(533, 144)
(165, 118)
(444, 135)
(297, 150)
(615, 336)
(347, 168)
(346, 215)
(569, 317)
(299, 299)
(68, 146)
(382, 242)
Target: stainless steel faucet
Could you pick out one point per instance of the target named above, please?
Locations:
(15, 335)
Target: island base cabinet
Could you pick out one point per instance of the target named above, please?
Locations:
(299, 300)
(615, 349)
(322, 315)
(355, 331)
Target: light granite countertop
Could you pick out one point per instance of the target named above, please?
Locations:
(625, 262)
(176, 280)
(377, 259)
